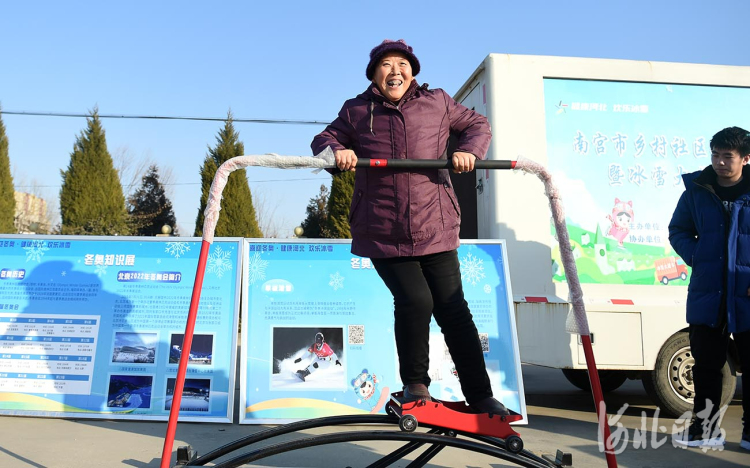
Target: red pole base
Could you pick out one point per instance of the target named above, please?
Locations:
(174, 412)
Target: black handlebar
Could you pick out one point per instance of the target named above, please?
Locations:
(431, 163)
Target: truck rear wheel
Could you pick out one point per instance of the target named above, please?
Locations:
(670, 384)
(610, 380)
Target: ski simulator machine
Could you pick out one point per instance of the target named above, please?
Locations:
(488, 434)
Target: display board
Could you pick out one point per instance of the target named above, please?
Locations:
(618, 150)
(299, 289)
(92, 327)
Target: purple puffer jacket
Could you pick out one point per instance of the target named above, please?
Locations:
(397, 213)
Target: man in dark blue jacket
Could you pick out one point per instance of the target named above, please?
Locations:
(710, 230)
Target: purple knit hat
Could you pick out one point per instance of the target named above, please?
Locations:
(391, 46)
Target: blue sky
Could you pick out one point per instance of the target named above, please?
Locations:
(288, 60)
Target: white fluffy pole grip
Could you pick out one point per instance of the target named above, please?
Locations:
(576, 322)
(323, 160)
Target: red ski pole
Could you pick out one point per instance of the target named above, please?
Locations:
(213, 206)
(579, 323)
(174, 411)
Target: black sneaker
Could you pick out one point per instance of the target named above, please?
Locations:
(415, 392)
(745, 442)
(491, 406)
(696, 436)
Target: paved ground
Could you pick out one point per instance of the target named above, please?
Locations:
(560, 416)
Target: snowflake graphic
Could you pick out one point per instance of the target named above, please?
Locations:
(35, 253)
(176, 249)
(487, 289)
(63, 273)
(101, 270)
(256, 268)
(218, 262)
(472, 269)
(337, 281)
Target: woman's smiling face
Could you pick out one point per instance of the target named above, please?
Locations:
(393, 76)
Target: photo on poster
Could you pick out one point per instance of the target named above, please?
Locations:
(135, 347)
(196, 395)
(201, 349)
(129, 391)
(308, 358)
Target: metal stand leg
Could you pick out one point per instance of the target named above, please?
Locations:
(428, 454)
(400, 453)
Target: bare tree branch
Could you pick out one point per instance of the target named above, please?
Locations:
(265, 209)
(130, 168)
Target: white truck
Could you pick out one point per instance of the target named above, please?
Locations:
(616, 135)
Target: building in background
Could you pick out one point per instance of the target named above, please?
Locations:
(31, 214)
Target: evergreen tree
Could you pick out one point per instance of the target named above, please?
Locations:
(207, 172)
(237, 217)
(149, 208)
(91, 199)
(342, 189)
(7, 193)
(316, 223)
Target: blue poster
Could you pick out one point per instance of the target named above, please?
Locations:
(92, 327)
(301, 292)
(619, 150)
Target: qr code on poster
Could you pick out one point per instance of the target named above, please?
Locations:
(484, 338)
(356, 334)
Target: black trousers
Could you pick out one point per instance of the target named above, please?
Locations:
(427, 286)
(709, 347)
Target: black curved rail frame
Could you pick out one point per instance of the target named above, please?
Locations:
(437, 438)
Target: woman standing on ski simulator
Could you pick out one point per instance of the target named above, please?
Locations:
(407, 223)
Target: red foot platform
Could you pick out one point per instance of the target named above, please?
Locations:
(456, 416)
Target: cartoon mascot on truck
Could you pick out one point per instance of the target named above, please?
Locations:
(621, 218)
